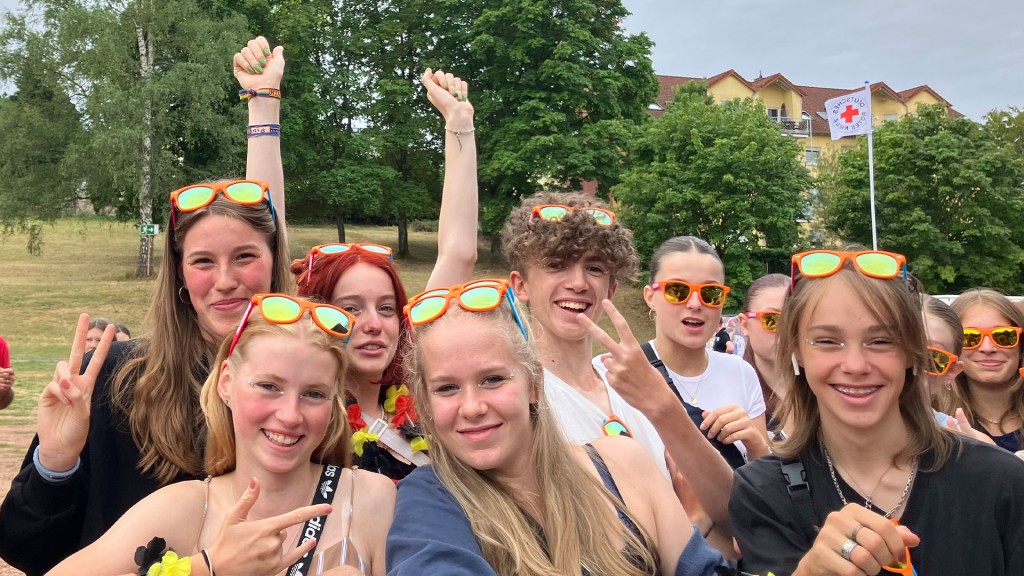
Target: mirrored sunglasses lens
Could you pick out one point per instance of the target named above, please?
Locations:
(712, 295)
(676, 292)
(278, 309)
(879, 264)
(601, 217)
(770, 321)
(334, 320)
(615, 428)
(194, 198)
(481, 298)
(334, 248)
(553, 213)
(940, 362)
(376, 249)
(819, 264)
(245, 192)
(972, 338)
(1005, 337)
(427, 309)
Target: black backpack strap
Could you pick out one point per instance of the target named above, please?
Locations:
(795, 473)
(731, 453)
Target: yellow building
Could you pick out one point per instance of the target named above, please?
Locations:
(800, 110)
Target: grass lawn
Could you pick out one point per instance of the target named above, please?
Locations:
(88, 265)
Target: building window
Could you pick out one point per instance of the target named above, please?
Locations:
(773, 113)
(656, 107)
(890, 117)
(813, 156)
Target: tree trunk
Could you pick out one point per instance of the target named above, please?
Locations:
(144, 268)
(496, 246)
(403, 236)
(339, 221)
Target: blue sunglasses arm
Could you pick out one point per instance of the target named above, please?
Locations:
(515, 314)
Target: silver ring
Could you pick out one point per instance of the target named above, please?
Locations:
(855, 532)
(847, 549)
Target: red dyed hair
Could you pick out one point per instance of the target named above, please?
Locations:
(328, 270)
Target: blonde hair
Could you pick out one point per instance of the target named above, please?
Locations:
(1001, 304)
(891, 303)
(526, 240)
(573, 502)
(157, 388)
(220, 434)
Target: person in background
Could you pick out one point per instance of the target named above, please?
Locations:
(362, 278)
(990, 386)
(122, 334)
(7, 376)
(723, 342)
(96, 328)
(759, 323)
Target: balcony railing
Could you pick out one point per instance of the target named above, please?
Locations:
(793, 126)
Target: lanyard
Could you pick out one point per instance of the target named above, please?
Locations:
(324, 494)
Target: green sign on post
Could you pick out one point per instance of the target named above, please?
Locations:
(149, 229)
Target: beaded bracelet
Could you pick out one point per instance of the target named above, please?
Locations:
(259, 92)
(255, 130)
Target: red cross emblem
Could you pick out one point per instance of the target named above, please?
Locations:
(849, 114)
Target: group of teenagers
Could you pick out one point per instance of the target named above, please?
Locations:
(261, 424)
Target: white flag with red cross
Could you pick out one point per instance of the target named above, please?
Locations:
(850, 114)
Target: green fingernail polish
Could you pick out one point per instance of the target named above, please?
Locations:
(263, 61)
(249, 68)
(445, 85)
(259, 69)
(266, 51)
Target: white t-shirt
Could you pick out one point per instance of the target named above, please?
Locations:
(581, 420)
(728, 379)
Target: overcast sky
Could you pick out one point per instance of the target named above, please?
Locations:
(969, 51)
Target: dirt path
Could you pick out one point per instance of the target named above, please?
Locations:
(14, 440)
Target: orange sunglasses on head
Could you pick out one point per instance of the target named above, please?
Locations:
(558, 212)
(242, 192)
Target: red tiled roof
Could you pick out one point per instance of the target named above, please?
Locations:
(911, 92)
(668, 84)
(760, 83)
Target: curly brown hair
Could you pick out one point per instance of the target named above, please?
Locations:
(527, 241)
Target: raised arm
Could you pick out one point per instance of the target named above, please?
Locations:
(457, 226)
(256, 66)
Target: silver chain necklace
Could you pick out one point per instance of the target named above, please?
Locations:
(867, 501)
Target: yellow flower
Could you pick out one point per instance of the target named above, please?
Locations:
(419, 444)
(392, 395)
(359, 438)
(171, 565)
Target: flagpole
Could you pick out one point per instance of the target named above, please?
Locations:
(871, 171)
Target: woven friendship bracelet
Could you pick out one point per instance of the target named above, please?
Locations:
(260, 92)
(255, 130)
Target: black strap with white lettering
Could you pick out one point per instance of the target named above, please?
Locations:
(324, 494)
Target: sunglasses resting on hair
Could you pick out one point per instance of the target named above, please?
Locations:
(283, 309)
(679, 291)
(871, 263)
(334, 249)
(475, 296)
(242, 192)
(557, 213)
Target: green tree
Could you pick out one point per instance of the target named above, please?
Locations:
(1008, 127)
(151, 83)
(724, 173)
(556, 85)
(949, 196)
